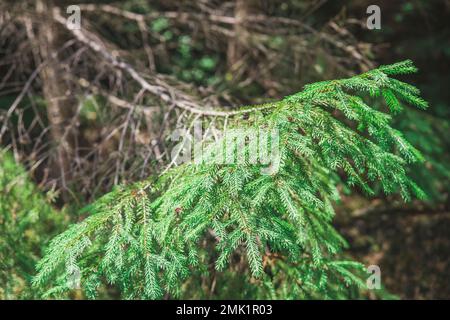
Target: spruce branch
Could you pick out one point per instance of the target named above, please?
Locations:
(150, 237)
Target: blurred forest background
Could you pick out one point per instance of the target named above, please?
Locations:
(75, 122)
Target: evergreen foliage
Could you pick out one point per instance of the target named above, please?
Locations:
(27, 223)
(156, 238)
(434, 176)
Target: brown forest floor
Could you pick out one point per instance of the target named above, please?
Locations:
(412, 248)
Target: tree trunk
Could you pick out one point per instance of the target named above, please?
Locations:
(60, 104)
(237, 45)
